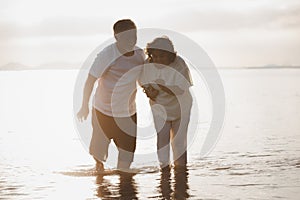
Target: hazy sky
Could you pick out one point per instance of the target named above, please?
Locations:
(233, 32)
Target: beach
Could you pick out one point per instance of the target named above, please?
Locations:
(256, 157)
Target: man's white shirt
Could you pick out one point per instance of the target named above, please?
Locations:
(117, 81)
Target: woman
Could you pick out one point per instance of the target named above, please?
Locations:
(166, 81)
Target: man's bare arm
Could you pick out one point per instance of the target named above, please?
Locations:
(88, 88)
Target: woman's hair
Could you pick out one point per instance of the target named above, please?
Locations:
(162, 44)
(123, 25)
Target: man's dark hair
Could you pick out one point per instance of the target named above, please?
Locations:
(123, 25)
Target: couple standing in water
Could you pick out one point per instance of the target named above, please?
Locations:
(165, 79)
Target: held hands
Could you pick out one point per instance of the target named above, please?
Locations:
(151, 92)
(162, 84)
(170, 89)
(83, 113)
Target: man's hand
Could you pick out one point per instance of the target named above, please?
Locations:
(87, 91)
(83, 113)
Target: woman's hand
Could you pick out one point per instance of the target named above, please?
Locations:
(151, 92)
(160, 82)
(171, 90)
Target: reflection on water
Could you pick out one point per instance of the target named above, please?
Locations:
(125, 189)
(170, 184)
(179, 183)
(257, 156)
(165, 188)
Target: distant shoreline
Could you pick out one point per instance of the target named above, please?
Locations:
(263, 67)
(38, 69)
(20, 67)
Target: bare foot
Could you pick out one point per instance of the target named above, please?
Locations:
(99, 166)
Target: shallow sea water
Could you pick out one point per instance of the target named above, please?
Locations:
(256, 157)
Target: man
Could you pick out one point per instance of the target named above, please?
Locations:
(116, 68)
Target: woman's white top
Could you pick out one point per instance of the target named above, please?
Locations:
(170, 107)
